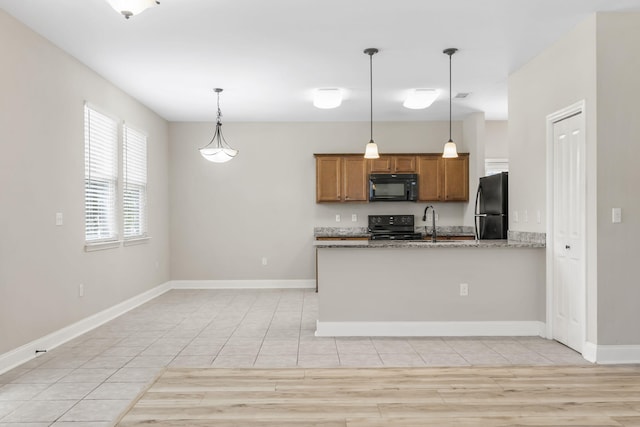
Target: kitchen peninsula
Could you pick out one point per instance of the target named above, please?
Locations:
(420, 288)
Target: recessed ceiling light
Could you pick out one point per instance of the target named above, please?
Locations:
(327, 98)
(418, 99)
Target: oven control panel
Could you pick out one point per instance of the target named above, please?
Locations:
(391, 220)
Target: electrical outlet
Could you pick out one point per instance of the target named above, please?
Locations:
(81, 290)
(538, 216)
(436, 217)
(525, 216)
(337, 217)
(515, 216)
(59, 219)
(464, 289)
(354, 218)
(264, 260)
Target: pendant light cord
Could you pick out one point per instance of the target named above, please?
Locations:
(450, 51)
(450, 55)
(371, 51)
(219, 112)
(371, 92)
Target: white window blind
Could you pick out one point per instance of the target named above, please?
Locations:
(135, 184)
(101, 176)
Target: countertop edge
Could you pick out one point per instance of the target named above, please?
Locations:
(367, 244)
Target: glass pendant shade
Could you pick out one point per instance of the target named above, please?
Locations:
(371, 151)
(129, 8)
(218, 155)
(218, 150)
(450, 151)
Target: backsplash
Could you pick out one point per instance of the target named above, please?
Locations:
(527, 237)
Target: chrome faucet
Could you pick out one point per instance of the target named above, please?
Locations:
(433, 221)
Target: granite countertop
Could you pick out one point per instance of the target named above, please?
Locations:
(370, 244)
(517, 239)
(338, 232)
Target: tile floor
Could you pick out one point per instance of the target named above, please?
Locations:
(89, 381)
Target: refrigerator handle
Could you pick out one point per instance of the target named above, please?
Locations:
(476, 211)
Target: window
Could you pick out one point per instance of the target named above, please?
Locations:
(100, 176)
(134, 204)
(494, 166)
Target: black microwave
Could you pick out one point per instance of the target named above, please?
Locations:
(391, 187)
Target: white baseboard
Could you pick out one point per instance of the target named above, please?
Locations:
(611, 354)
(429, 329)
(589, 351)
(27, 352)
(244, 284)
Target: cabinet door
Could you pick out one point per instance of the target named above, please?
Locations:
(456, 179)
(404, 164)
(429, 182)
(382, 165)
(328, 178)
(354, 179)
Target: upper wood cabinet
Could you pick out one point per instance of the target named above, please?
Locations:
(328, 178)
(456, 179)
(344, 177)
(354, 179)
(341, 178)
(430, 178)
(443, 180)
(393, 164)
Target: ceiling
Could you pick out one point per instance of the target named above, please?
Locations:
(270, 55)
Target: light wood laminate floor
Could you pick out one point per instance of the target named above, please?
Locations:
(90, 380)
(462, 396)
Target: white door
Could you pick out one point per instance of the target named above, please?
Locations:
(569, 290)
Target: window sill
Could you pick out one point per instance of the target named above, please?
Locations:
(136, 241)
(113, 244)
(100, 246)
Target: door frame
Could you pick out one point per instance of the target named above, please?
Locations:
(572, 110)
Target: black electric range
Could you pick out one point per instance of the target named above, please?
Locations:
(393, 227)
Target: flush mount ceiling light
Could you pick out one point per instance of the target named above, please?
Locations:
(371, 150)
(128, 8)
(217, 150)
(418, 99)
(327, 98)
(450, 151)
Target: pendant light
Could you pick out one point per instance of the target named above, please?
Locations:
(217, 150)
(371, 151)
(450, 150)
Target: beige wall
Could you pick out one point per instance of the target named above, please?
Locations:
(496, 145)
(618, 175)
(357, 284)
(226, 217)
(598, 63)
(557, 78)
(42, 172)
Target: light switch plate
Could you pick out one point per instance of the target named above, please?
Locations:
(616, 215)
(337, 217)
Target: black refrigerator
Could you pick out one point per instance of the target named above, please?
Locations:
(492, 207)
